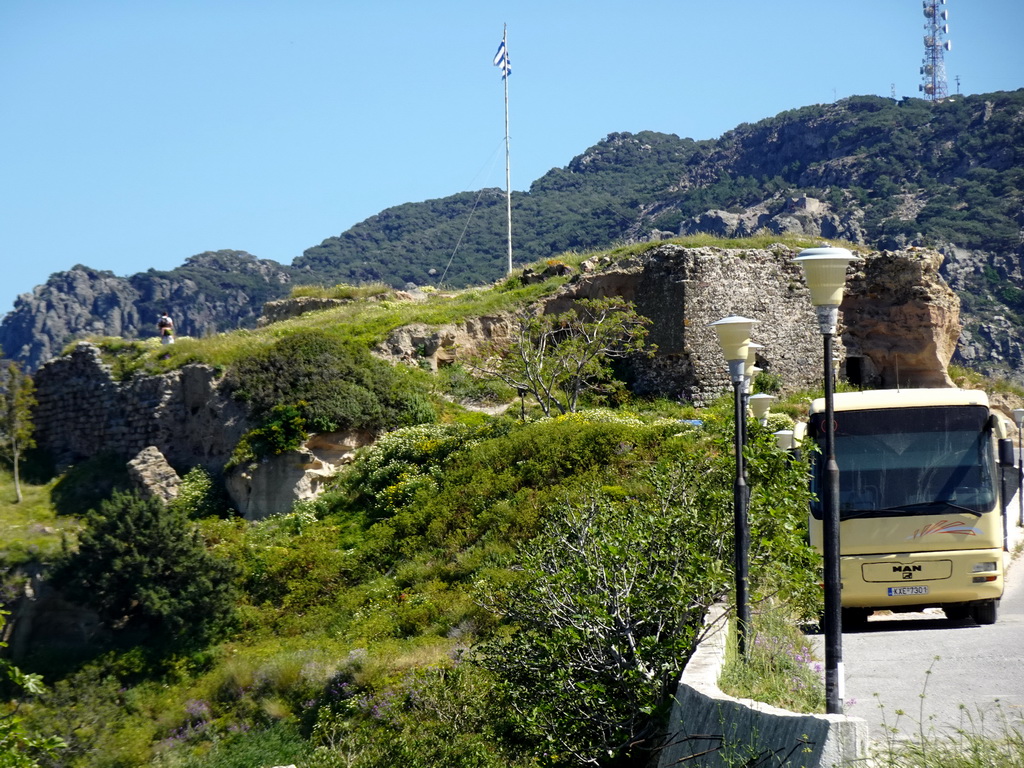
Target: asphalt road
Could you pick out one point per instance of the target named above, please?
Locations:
(913, 671)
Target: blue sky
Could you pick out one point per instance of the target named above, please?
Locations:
(136, 134)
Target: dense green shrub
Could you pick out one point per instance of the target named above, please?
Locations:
(311, 381)
(142, 565)
(338, 384)
(441, 715)
(199, 496)
(612, 591)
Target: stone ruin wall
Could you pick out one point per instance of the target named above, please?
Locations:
(684, 290)
(82, 412)
(898, 314)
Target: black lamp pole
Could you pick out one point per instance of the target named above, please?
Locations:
(1018, 417)
(734, 338)
(740, 524)
(832, 620)
(825, 269)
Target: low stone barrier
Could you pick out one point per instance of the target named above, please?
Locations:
(712, 730)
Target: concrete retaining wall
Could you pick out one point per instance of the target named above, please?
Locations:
(711, 730)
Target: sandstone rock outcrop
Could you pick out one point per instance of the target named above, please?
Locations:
(441, 345)
(283, 309)
(902, 321)
(273, 484)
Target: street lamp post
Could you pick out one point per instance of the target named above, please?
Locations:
(734, 338)
(825, 270)
(784, 439)
(1018, 417)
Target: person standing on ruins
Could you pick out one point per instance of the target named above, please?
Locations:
(166, 328)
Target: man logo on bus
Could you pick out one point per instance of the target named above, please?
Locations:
(906, 570)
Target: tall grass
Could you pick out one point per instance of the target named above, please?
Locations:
(780, 672)
(780, 668)
(342, 291)
(985, 738)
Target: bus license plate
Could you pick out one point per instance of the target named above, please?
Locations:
(897, 591)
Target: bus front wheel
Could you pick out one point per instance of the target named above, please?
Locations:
(986, 612)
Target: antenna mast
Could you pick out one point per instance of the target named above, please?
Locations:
(933, 66)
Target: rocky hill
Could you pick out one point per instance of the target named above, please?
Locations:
(948, 175)
(210, 292)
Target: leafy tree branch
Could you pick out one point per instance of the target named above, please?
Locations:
(556, 358)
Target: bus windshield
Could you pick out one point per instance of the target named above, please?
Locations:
(909, 461)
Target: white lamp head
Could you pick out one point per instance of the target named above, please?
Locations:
(734, 336)
(1018, 416)
(750, 366)
(784, 439)
(825, 271)
(734, 339)
(760, 404)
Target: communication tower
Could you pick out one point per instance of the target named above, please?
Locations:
(933, 66)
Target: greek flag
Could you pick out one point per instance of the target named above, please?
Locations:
(501, 60)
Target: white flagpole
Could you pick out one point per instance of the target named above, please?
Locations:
(508, 172)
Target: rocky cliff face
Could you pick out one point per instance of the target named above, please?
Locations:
(800, 215)
(211, 292)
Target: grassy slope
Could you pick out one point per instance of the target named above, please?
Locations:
(300, 632)
(32, 529)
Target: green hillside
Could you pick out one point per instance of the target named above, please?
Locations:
(933, 172)
(880, 172)
(406, 615)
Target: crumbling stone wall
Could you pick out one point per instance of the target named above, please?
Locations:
(82, 411)
(683, 290)
(898, 314)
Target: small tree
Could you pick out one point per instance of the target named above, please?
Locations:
(17, 399)
(607, 612)
(555, 358)
(142, 564)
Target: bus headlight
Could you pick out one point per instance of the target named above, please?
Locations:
(988, 568)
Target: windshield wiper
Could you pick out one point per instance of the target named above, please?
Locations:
(850, 514)
(925, 504)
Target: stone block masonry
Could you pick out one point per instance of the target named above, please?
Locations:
(83, 411)
(683, 290)
(897, 315)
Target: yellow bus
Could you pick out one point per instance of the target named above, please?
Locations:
(921, 501)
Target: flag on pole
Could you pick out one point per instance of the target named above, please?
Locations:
(501, 60)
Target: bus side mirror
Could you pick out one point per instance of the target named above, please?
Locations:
(1006, 453)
